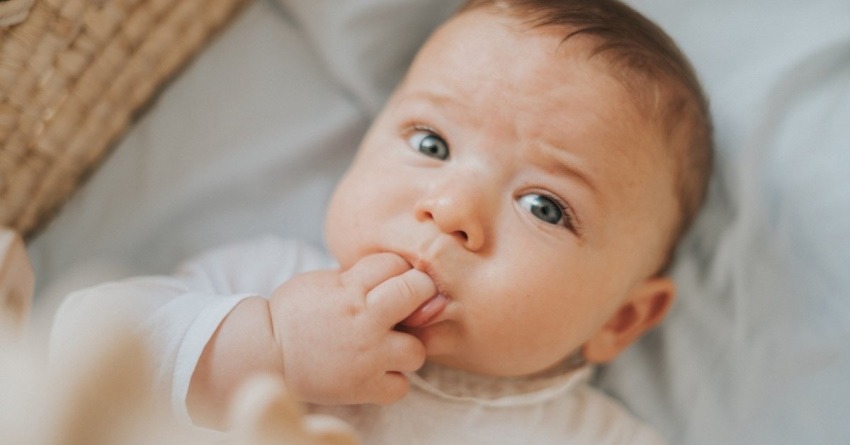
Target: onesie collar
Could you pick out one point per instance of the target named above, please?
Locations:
(461, 386)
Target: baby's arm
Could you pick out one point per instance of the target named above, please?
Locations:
(330, 333)
(177, 315)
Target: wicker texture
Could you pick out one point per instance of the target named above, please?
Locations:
(13, 12)
(72, 76)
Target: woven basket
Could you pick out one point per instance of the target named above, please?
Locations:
(73, 74)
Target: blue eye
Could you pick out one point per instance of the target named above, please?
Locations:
(429, 144)
(542, 207)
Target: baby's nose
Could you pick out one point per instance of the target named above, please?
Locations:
(457, 215)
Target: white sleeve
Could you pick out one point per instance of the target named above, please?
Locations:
(177, 315)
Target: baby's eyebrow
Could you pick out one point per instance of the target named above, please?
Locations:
(556, 159)
(430, 97)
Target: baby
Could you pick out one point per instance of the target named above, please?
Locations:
(507, 224)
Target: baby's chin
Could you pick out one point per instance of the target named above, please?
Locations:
(447, 361)
(498, 368)
(462, 362)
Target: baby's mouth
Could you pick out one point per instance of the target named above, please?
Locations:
(426, 313)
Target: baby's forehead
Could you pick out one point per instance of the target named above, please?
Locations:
(646, 70)
(480, 45)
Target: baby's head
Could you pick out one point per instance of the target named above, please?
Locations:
(539, 161)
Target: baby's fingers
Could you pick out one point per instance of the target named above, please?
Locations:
(396, 298)
(393, 387)
(373, 270)
(403, 352)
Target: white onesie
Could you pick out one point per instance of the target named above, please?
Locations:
(179, 314)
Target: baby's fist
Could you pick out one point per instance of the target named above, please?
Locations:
(336, 330)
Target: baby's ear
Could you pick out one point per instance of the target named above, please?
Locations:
(645, 307)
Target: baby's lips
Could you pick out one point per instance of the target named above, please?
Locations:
(427, 312)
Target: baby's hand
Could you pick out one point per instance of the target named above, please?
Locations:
(336, 330)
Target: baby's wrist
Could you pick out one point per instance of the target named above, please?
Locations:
(243, 345)
(276, 356)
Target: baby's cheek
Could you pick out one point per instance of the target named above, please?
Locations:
(342, 226)
(339, 249)
(335, 238)
(346, 243)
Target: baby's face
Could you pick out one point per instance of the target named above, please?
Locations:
(522, 179)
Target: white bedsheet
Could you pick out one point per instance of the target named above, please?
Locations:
(252, 137)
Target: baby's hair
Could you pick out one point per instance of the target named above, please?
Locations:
(653, 69)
